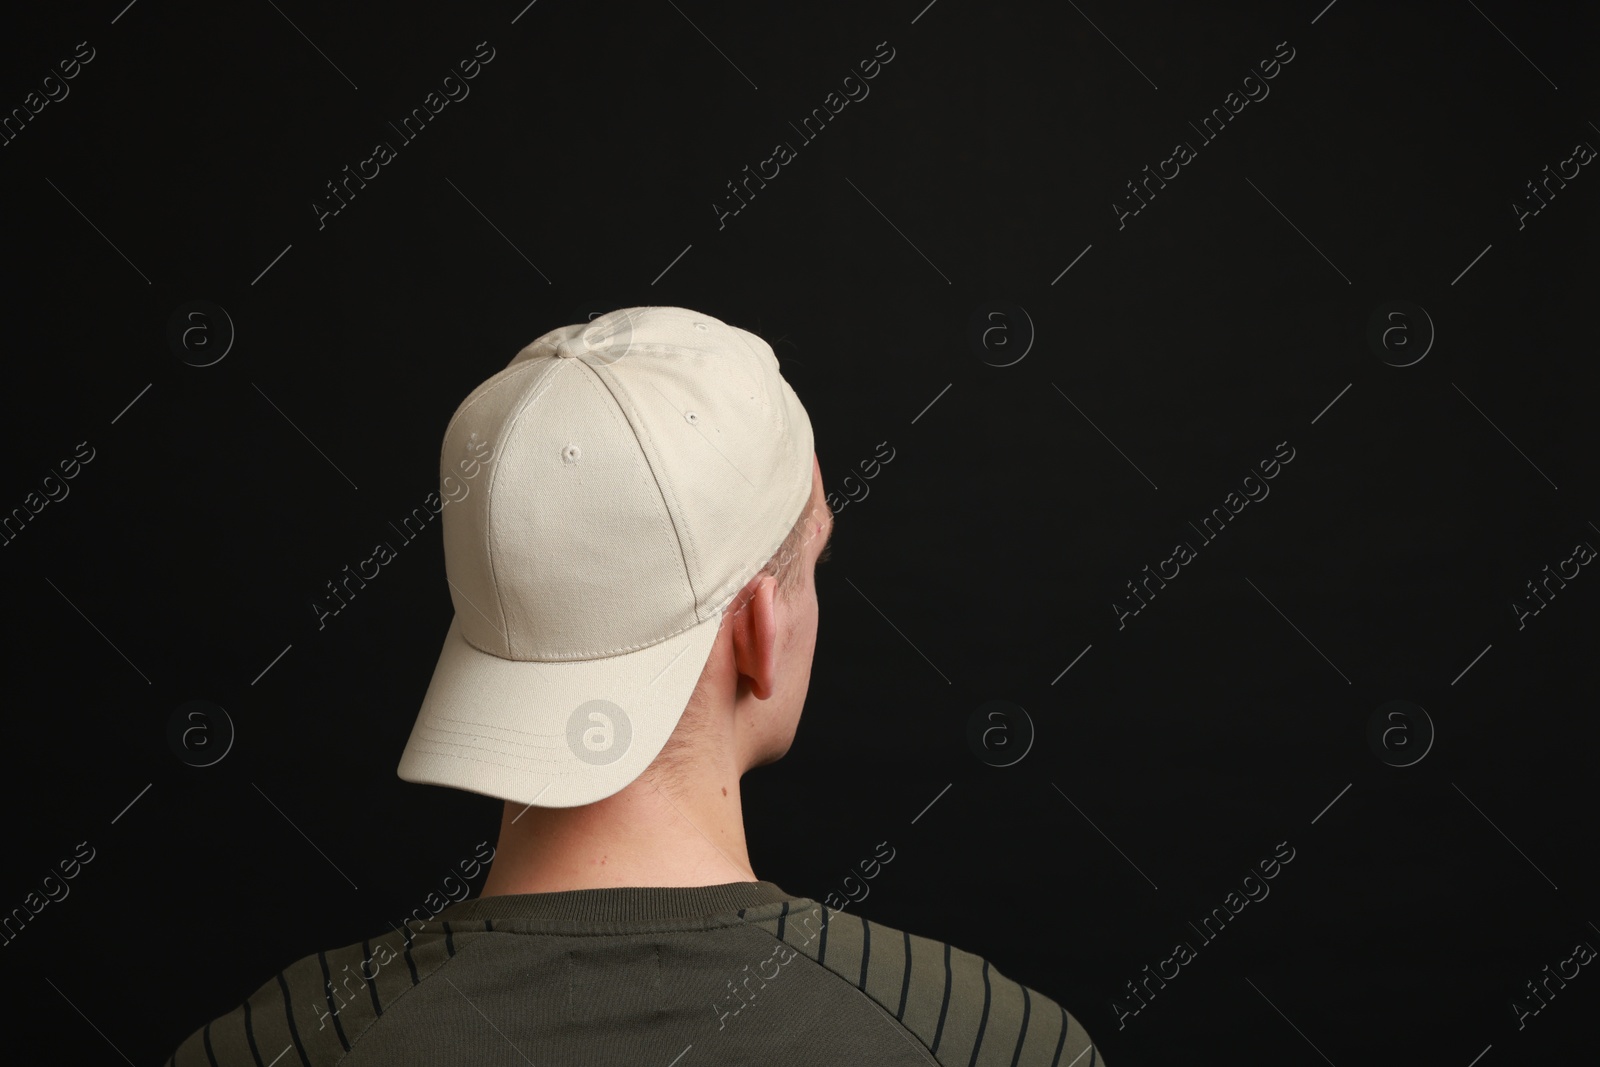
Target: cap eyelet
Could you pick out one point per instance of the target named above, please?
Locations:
(691, 417)
(702, 327)
(571, 454)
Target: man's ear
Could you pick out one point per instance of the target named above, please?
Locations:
(755, 635)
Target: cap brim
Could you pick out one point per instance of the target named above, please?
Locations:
(556, 734)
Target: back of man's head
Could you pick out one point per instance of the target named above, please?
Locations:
(642, 523)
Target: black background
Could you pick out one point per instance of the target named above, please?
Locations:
(1178, 351)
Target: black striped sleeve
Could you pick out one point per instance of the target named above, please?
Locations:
(288, 1016)
(1062, 1041)
(959, 1006)
(250, 1034)
(905, 982)
(866, 953)
(983, 1020)
(944, 1003)
(372, 986)
(1022, 1035)
(334, 1008)
(315, 1010)
(411, 965)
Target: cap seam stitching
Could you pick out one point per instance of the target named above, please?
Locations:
(482, 390)
(507, 432)
(478, 395)
(670, 523)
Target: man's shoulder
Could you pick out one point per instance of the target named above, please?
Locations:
(316, 1008)
(955, 1002)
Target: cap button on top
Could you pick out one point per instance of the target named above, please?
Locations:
(572, 347)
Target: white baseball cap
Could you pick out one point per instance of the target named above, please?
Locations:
(637, 471)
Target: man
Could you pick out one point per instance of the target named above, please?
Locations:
(631, 557)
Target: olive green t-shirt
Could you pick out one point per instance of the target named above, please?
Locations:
(739, 973)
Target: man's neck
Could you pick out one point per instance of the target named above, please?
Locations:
(641, 836)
